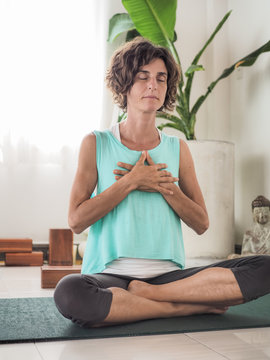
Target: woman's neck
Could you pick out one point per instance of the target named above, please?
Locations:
(139, 133)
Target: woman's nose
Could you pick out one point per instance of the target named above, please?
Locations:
(152, 84)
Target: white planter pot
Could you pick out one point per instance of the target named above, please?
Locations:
(214, 164)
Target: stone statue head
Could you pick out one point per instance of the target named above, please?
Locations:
(261, 210)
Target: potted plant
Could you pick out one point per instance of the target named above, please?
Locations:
(214, 160)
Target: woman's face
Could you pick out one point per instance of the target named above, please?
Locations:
(149, 88)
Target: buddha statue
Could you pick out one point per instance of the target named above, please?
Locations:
(256, 241)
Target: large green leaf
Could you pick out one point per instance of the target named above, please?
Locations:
(122, 117)
(197, 57)
(177, 127)
(219, 26)
(245, 61)
(119, 24)
(177, 122)
(193, 68)
(154, 19)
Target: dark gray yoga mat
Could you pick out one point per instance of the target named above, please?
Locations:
(37, 319)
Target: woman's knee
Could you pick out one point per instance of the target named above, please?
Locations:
(80, 299)
(262, 274)
(265, 260)
(261, 263)
(66, 293)
(264, 263)
(254, 277)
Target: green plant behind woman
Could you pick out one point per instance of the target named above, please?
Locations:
(155, 20)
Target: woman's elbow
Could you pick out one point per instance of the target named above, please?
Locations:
(74, 224)
(203, 227)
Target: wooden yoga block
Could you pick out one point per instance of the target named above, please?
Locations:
(50, 275)
(34, 258)
(15, 245)
(61, 247)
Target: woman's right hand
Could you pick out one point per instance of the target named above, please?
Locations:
(152, 177)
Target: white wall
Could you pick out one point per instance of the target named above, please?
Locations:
(250, 107)
(237, 110)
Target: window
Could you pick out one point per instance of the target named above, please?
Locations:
(52, 66)
(51, 75)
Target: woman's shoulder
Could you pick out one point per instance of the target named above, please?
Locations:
(101, 133)
(171, 139)
(88, 144)
(95, 135)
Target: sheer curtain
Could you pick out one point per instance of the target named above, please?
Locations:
(51, 66)
(51, 94)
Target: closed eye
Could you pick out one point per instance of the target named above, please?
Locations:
(143, 75)
(142, 78)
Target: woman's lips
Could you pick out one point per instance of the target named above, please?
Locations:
(150, 97)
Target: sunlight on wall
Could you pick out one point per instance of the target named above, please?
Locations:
(51, 74)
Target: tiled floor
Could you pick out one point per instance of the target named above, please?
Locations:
(253, 344)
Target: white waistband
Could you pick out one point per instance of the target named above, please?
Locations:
(140, 268)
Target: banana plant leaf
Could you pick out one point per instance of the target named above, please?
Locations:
(154, 20)
(134, 33)
(197, 57)
(175, 126)
(122, 117)
(118, 24)
(193, 68)
(245, 61)
(176, 122)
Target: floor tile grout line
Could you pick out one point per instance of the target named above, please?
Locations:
(207, 347)
(41, 357)
(253, 346)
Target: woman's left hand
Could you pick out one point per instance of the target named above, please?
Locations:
(128, 167)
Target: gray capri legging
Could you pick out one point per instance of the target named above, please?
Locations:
(86, 299)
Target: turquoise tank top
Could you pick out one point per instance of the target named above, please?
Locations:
(143, 225)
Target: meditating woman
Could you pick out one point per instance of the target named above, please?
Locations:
(134, 262)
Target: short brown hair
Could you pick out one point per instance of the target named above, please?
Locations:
(126, 63)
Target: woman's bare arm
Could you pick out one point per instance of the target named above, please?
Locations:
(187, 199)
(84, 211)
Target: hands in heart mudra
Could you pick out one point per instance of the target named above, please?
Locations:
(149, 177)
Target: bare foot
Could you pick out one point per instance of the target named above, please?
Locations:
(179, 309)
(141, 288)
